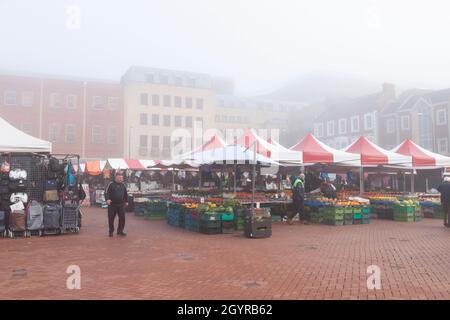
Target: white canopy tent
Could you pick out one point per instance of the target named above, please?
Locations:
(14, 140)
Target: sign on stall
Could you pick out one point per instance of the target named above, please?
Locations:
(87, 200)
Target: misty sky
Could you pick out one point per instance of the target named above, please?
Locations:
(260, 43)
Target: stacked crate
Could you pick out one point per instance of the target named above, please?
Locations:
(348, 215)
(357, 215)
(175, 215)
(334, 216)
(317, 214)
(239, 219)
(227, 219)
(366, 212)
(403, 213)
(211, 223)
(191, 220)
(156, 210)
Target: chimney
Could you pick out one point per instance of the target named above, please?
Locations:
(388, 91)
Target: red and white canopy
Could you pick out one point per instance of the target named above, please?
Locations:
(373, 155)
(213, 143)
(274, 151)
(421, 158)
(315, 151)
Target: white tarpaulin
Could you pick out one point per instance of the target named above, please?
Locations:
(14, 140)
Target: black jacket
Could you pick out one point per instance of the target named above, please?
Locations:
(117, 193)
(444, 189)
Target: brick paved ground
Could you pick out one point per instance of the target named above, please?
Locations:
(157, 261)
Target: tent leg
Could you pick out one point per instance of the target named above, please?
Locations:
(361, 181)
(412, 181)
(234, 179)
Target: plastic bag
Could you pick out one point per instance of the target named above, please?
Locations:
(18, 174)
(5, 167)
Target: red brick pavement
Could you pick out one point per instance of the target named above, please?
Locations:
(157, 261)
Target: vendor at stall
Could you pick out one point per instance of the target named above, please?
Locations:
(328, 189)
(444, 189)
(298, 197)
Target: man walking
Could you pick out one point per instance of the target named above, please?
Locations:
(298, 197)
(117, 198)
(444, 189)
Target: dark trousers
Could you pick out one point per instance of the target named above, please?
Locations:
(113, 210)
(298, 207)
(446, 207)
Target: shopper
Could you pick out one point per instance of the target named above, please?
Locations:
(444, 189)
(117, 198)
(298, 197)
(328, 189)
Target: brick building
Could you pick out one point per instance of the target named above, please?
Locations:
(77, 115)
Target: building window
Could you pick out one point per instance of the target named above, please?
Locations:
(71, 102)
(55, 100)
(368, 121)
(70, 133)
(97, 135)
(199, 122)
(190, 82)
(143, 141)
(177, 102)
(149, 77)
(27, 98)
(177, 121)
(342, 124)
(178, 81)
(167, 101)
(155, 100)
(113, 103)
(53, 132)
(354, 121)
(199, 103)
(441, 117)
(143, 119)
(10, 98)
(188, 103)
(163, 79)
(144, 99)
(97, 102)
(112, 135)
(330, 128)
(390, 125)
(155, 119)
(188, 121)
(318, 130)
(27, 127)
(166, 121)
(442, 145)
(155, 143)
(404, 121)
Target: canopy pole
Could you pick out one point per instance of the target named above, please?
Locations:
(254, 176)
(404, 182)
(173, 179)
(234, 178)
(200, 179)
(361, 180)
(412, 181)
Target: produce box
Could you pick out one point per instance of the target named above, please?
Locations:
(277, 218)
(227, 216)
(211, 216)
(357, 221)
(357, 209)
(403, 209)
(366, 209)
(365, 220)
(239, 223)
(357, 216)
(403, 217)
(348, 210)
(418, 218)
(348, 219)
(366, 215)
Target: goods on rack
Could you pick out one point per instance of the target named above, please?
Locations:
(150, 208)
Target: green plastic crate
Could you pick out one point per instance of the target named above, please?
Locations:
(210, 216)
(357, 209)
(366, 210)
(404, 218)
(365, 221)
(357, 216)
(334, 222)
(348, 209)
(227, 216)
